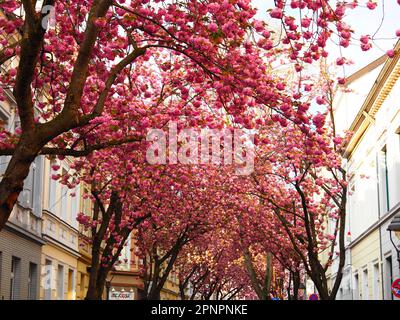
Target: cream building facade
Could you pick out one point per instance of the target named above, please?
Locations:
(84, 247)
(60, 254)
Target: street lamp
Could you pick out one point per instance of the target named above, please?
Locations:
(395, 227)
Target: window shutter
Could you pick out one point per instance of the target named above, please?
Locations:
(37, 187)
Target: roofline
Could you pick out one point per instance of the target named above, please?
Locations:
(363, 118)
(369, 67)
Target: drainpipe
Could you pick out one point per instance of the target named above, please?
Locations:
(379, 218)
(348, 237)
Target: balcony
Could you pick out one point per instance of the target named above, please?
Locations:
(23, 220)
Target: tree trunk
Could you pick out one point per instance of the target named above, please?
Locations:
(268, 276)
(154, 295)
(182, 292)
(94, 293)
(289, 287)
(296, 285)
(183, 285)
(252, 274)
(321, 283)
(342, 246)
(94, 290)
(96, 287)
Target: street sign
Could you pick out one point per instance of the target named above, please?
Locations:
(121, 295)
(396, 288)
(313, 296)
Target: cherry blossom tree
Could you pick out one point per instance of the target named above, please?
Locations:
(262, 246)
(184, 209)
(86, 68)
(301, 181)
(91, 77)
(117, 195)
(211, 267)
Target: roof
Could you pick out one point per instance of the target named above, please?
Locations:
(376, 96)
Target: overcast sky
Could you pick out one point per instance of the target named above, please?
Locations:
(363, 22)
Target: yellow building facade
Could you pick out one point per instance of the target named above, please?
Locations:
(85, 256)
(366, 263)
(171, 288)
(83, 264)
(60, 254)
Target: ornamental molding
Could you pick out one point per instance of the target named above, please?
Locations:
(379, 92)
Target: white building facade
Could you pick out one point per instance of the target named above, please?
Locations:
(370, 109)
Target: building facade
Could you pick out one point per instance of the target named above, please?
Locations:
(60, 254)
(44, 253)
(21, 239)
(128, 280)
(370, 109)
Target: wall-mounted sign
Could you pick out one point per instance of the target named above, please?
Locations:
(396, 288)
(121, 295)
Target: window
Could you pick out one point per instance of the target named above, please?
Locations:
(64, 198)
(356, 290)
(388, 278)
(52, 190)
(352, 196)
(47, 280)
(365, 293)
(25, 198)
(71, 284)
(136, 260)
(383, 181)
(87, 203)
(4, 119)
(73, 239)
(32, 191)
(32, 281)
(63, 233)
(82, 286)
(36, 195)
(74, 206)
(51, 226)
(16, 124)
(376, 282)
(15, 278)
(395, 167)
(4, 123)
(352, 187)
(60, 282)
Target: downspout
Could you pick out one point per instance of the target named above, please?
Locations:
(379, 218)
(348, 217)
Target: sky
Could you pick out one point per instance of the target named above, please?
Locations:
(364, 22)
